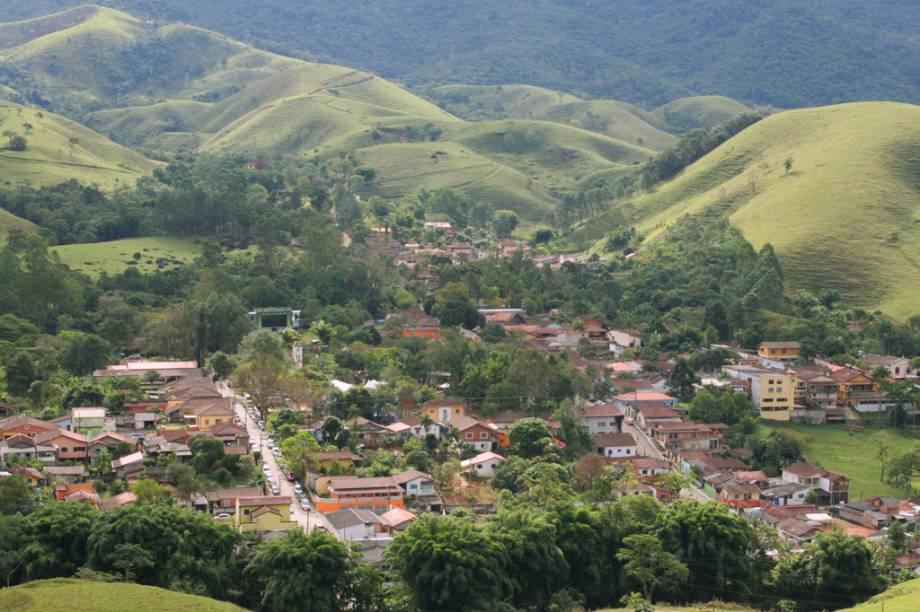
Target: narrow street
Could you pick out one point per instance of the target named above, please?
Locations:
(648, 448)
(308, 519)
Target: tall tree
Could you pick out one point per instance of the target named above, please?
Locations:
(648, 564)
(681, 380)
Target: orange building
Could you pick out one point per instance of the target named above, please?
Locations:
(70, 445)
(24, 425)
(376, 494)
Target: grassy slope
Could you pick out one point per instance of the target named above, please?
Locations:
(853, 454)
(904, 597)
(9, 222)
(70, 594)
(699, 111)
(845, 217)
(113, 257)
(49, 158)
(612, 118)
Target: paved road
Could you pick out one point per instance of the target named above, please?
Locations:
(308, 519)
(649, 449)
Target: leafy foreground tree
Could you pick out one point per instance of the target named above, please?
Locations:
(835, 571)
(450, 563)
(648, 564)
(313, 573)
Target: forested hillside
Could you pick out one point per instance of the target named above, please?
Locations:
(785, 53)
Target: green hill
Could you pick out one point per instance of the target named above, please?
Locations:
(846, 216)
(59, 149)
(699, 112)
(69, 594)
(174, 86)
(902, 597)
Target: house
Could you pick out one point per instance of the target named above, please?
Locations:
(830, 488)
(23, 425)
(779, 351)
(263, 513)
(773, 392)
(22, 448)
(192, 387)
(798, 530)
(107, 440)
(379, 494)
(438, 225)
(782, 493)
(615, 445)
(70, 446)
(140, 368)
(647, 415)
(865, 513)
(368, 433)
(223, 501)
(675, 437)
(129, 465)
(117, 501)
(635, 398)
(740, 495)
(83, 493)
(419, 429)
(602, 418)
(859, 391)
(649, 466)
(230, 434)
(357, 524)
(397, 519)
(480, 436)
(813, 387)
(482, 465)
(443, 410)
(64, 474)
(898, 367)
(160, 445)
(400, 431)
(87, 421)
(593, 330)
(622, 339)
(204, 413)
(504, 316)
(417, 323)
(30, 474)
(344, 459)
(415, 483)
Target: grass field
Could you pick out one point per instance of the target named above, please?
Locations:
(853, 454)
(59, 149)
(699, 111)
(904, 597)
(845, 216)
(114, 257)
(10, 222)
(86, 596)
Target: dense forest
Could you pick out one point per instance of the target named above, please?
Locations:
(783, 53)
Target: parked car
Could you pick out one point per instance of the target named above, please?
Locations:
(298, 488)
(304, 503)
(222, 516)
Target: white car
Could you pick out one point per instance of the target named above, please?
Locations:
(298, 488)
(221, 517)
(304, 503)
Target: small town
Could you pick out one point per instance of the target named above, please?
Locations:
(492, 306)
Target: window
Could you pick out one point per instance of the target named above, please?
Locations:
(628, 451)
(247, 512)
(602, 424)
(468, 435)
(484, 435)
(479, 466)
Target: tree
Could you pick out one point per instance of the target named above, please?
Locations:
(505, 223)
(454, 305)
(17, 143)
(451, 563)
(529, 437)
(896, 538)
(263, 368)
(681, 380)
(207, 453)
(719, 548)
(150, 492)
(648, 564)
(84, 353)
(834, 571)
(221, 365)
(296, 452)
(16, 496)
(311, 573)
(57, 535)
(128, 557)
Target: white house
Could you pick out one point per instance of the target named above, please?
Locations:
(622, 339)
(483, 465)
(603, 418)
(416, 483)
(614, 445)
(357, 524)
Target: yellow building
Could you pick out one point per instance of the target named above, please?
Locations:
(266, 513)
(773, 394)
(781, 351)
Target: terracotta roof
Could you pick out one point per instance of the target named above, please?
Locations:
(481, 458)
(110, 435)
(64, 470)
(804, 470)
(796, 527)
(656, 410)
(437, 403)
(753, 476)
(603, 410)
(232, 493)
(15, 422)
(59, 433)
(682, 426)
(649, 463)
(738, 488)
(605, 440)
(780, 344)
(397, 517)
(264, 500)
(408, 475)
(119, 500)
(644, 396)
(356, 483)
